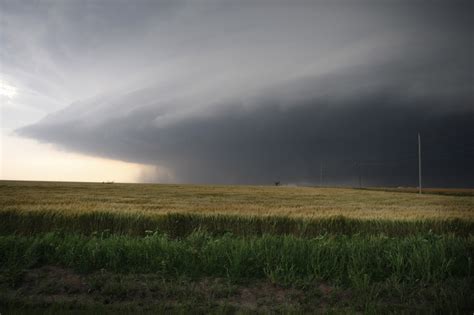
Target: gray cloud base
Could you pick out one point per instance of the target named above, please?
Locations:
(256, 92)
(368, 133)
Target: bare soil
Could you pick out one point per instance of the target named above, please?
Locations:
(50, 285)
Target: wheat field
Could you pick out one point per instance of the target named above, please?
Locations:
(295, 202)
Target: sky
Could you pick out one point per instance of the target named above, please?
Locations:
(238, 92)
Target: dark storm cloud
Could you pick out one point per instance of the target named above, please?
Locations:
(264, 92)
(282, 135)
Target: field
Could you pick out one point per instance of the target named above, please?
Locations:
(227, 249)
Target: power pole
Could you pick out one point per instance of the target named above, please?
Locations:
(419, 163)
(321, 175)
(360, 175)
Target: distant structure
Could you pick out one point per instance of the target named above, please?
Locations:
(419, 164)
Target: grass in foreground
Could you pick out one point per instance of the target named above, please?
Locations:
(105, 292)
(378, 271)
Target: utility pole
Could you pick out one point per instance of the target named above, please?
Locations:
(321, 175)
(419, 163)
(359, 176)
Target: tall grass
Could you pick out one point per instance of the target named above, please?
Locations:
(179, 225)
(283, 259)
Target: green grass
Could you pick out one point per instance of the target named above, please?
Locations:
(360, 263)
(284, 259)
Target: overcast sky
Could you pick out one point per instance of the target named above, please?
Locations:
(238, 92)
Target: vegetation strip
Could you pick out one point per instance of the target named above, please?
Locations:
(180, 225)
(284, 259)
(374, 269)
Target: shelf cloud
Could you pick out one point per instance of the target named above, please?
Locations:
(301, 92)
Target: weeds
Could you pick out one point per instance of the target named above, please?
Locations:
(356, 261)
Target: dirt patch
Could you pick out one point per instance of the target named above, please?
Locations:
(50, 285)
(264, 295)
(325, 289)
(59, 280)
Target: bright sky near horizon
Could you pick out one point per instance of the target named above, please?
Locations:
(26, 159)
(44, 162)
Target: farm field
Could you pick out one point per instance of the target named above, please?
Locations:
(436, 191)
(227, 249)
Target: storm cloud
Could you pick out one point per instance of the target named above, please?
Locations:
(262, 91)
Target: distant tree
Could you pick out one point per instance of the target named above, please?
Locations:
(277, 183)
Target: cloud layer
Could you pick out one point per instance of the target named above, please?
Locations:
(220, 93)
